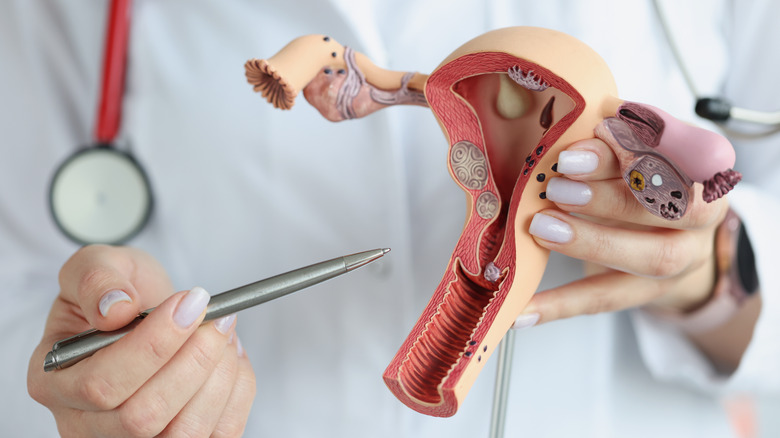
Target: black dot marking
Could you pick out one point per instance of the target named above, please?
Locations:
(555, 167)
(528, 159)
(543, 195)
(676, 194)
(473, 343)
(539, 150)
(468, 354)
(327, 71)
(479, 358)
(525, 171)
(649, 200)
(326, 39)
(334, 54)
(341, 71)
(540, 177)
(484, 349)
(531, 163)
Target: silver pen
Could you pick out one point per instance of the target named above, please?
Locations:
(69, 351)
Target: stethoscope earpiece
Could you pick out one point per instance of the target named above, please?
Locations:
(713, 108)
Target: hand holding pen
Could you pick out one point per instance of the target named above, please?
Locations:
(169, 373)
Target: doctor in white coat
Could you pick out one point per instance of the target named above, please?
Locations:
(243, 191)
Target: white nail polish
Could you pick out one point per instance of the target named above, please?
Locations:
(223, 324)
(111, 298)
(191, 306)
(566, 191)
(549, 228)
(239, 348)
(526, 321)
(577, 162)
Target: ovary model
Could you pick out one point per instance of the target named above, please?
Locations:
(508, 102)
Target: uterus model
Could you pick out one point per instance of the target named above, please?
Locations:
(508, 102)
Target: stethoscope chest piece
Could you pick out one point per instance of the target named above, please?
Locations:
(100, 195)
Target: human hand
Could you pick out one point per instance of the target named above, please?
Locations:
(169, 376)
(633, 257)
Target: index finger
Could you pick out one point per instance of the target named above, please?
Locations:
(588, 160)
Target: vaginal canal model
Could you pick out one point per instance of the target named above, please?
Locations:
(508, 102)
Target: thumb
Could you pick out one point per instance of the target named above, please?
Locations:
(109, 286)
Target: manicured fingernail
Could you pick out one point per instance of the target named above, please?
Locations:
(526, 321)
(566, 191)
(239, 347)
(577, 162)
(549, 228)
(191, 306)
(223, 324)
(111, 298)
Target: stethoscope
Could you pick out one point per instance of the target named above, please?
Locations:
(717, 109)
(101, 194)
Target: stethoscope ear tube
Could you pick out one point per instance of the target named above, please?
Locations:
(715, 109)
(720, 110)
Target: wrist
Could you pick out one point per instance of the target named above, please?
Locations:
(735, 280)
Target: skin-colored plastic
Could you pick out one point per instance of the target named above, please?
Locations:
(508, 102)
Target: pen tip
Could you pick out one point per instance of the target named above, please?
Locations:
(355, 261)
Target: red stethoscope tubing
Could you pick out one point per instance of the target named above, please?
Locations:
(101, 194)
(109, 114)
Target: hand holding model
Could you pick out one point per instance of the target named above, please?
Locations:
(636, 258)
(508, 102)
(168, 376)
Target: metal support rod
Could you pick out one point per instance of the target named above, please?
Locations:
(501, 390)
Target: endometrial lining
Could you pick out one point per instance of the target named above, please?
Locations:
(512, 147)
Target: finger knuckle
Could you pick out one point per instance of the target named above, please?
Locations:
(229, 429)
(233, 420)
(702, 214)
(93, 279)
(202, 356)
(624, 203)
(155, 350)
(228, 367)
(144, 418)
(701, 217)
(668, 259)
(249, 382)
(600, 302)
(187, 426)
(599, 247)
(99, 393)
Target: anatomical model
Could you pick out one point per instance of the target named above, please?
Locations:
(507, 101)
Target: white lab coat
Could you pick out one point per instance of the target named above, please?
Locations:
(243, 191)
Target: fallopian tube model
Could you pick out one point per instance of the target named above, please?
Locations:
(508, 101)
